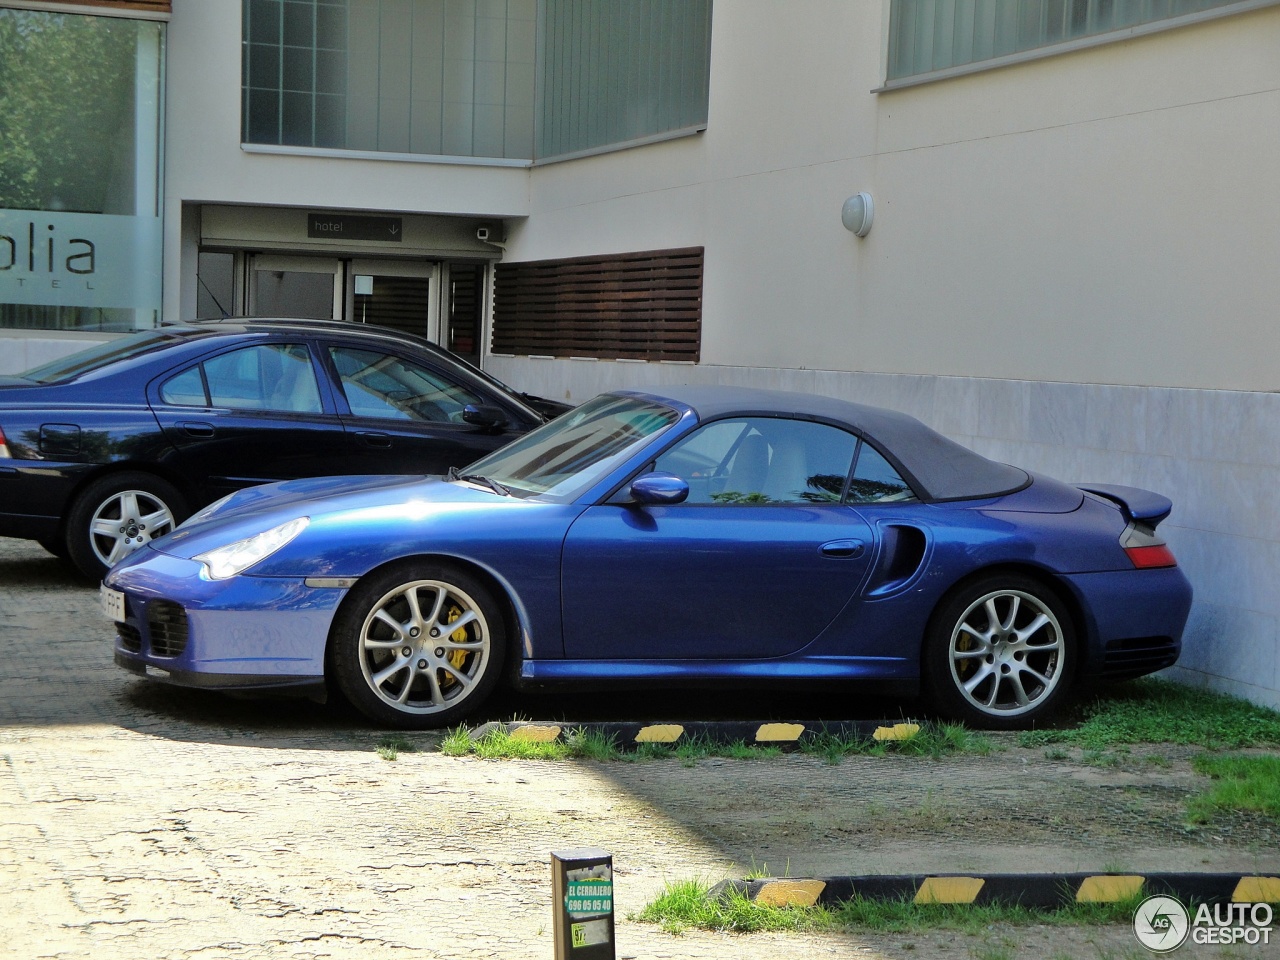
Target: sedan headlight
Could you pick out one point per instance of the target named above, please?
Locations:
(225, 562)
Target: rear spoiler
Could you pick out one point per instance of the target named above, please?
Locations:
(1140, 506)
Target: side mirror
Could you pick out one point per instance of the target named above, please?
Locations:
(659, 489)
(484, 415)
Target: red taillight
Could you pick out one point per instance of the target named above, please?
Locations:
(1155, 555)
(4, 450)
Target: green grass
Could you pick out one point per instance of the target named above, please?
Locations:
(933, 740)
(1240, 782)
(390, 748)
(1157, 711)
(685, 904)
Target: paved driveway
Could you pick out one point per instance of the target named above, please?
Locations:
(140, 822)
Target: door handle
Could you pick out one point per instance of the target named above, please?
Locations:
(372, 439)
(196, 428)
(842, 548)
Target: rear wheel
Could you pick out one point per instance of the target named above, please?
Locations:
(117, 514)
(417, 646)
(1000, 653)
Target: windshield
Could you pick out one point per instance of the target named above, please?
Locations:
(99, 355)
(570, 454)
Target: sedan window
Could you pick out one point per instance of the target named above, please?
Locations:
(759, 460)
(276, 377)
(389, 387)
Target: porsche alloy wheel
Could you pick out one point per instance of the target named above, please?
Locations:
(1000, 653)
(116, 515)
(417, 647)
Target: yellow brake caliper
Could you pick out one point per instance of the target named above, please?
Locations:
(456, 657)
(965, 667)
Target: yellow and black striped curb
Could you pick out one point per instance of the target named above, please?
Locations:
(771, 733)
(1041, 890)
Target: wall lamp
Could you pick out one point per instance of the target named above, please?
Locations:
(857, 214)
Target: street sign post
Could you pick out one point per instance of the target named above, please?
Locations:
(582, 901)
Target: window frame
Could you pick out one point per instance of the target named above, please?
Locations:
(342, 401)
(1056, 48)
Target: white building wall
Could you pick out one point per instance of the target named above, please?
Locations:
(1071, 266)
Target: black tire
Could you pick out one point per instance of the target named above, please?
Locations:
(1000, 653)
(441, 678)
(57, 547)
(115, 515)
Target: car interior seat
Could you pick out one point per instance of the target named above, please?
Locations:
(788, 476)
(749, 468)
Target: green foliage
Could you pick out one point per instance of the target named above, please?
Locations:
(66, 95)
(685, 904)
(1241, 782)
(934, 740)
(390, 748)
(1157, 711)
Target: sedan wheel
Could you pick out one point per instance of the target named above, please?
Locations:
(116, 515)
(417, 647)
(1000, 654)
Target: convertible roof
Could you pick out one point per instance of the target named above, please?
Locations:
(941, 469)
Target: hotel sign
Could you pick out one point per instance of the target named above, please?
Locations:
(80, 259)
(346, 226)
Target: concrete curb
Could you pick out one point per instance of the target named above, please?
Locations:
(1015, 889)
(630, 735)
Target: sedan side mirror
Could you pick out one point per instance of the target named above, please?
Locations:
(484, 415)
(659, 489)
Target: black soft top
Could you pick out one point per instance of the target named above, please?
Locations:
(938, 468)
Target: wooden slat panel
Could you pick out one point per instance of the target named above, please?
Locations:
(148, 6)
(645, 306)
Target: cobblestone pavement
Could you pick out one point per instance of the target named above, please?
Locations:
(139, 822)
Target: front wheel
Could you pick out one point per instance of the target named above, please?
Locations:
(117, 514)
(417, 646)
(1000, 653)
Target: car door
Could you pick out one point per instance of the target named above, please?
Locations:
(403, 415)
(251, 415)
(755, 563)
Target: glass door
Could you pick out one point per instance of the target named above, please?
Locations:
(395, 293)
(311, 288)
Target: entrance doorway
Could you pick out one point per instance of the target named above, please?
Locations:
(309, 288)
(442, 300)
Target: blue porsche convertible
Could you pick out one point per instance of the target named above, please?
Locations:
(701, 535)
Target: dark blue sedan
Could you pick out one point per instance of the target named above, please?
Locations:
(697, 536)
(104, 450)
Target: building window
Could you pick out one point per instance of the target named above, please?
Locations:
(414, 76)
(928, 36)
(634, 306)
(80, 115)
(497, 79)
(614, 73)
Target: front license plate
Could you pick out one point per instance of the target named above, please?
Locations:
(112, 603)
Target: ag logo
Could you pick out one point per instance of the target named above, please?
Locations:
(1161, 924)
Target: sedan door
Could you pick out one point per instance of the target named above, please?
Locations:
(754, 564)
(251, 415)
(405, 416)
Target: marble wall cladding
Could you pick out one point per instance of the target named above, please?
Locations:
(1214, 452)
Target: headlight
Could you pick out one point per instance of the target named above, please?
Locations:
(225, 562)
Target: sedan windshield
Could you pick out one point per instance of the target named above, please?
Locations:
(570, 454)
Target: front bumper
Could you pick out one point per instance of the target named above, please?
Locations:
(244, 633)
